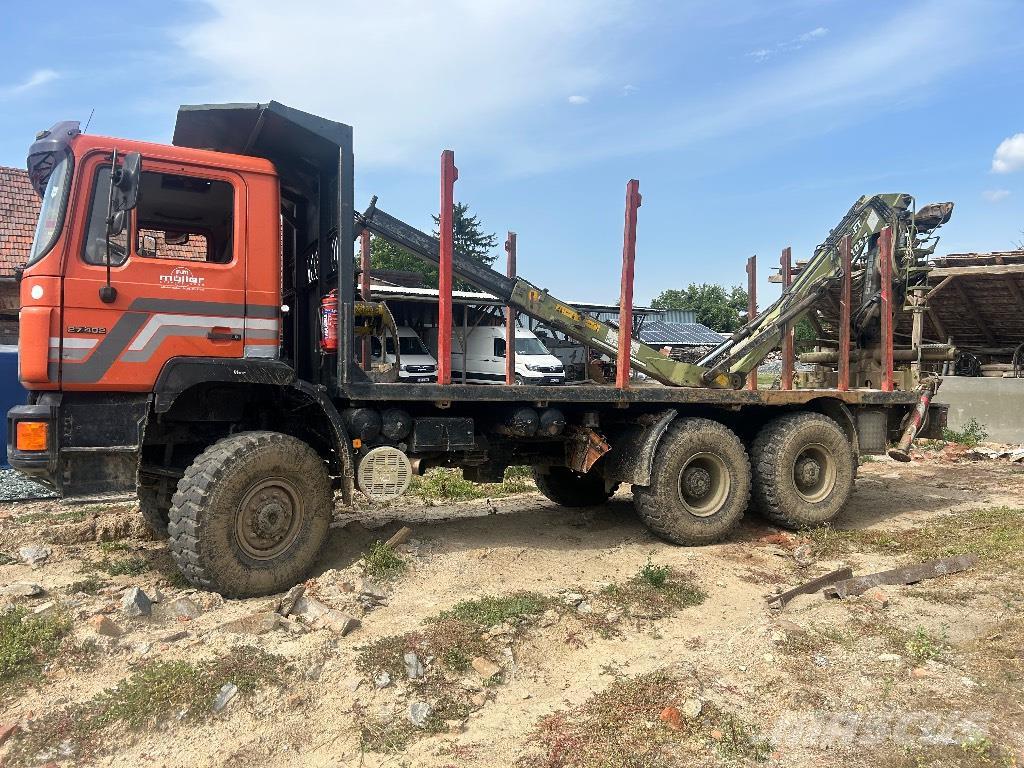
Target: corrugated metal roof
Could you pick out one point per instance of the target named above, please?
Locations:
(657, 333)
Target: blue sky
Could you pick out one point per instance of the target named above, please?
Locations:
(751, 125)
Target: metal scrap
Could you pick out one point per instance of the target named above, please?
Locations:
(909, 574)
(778, 601)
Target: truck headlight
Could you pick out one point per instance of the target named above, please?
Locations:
(532, 367)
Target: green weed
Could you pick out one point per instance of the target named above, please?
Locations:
(27, 643)
(969, 435)
(382, 561)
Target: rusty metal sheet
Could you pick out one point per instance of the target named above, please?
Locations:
(778, 601)
(910, 574)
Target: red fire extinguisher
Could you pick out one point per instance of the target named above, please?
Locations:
(329, 323)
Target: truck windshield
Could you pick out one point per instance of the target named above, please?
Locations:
(530, 346)
(51, 212)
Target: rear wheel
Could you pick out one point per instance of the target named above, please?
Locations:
(155, 502)
(803, 470)
(250, 514)
(572, 489)
(700, 483)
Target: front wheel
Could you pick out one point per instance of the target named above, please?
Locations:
(803, 470)
(700, 483)
(250, 514)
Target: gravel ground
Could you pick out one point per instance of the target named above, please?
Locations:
(14, 485)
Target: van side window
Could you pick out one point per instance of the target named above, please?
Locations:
(499, 347)
(94, 250)
(184, 218)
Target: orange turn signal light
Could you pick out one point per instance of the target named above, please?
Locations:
(357, 443)
(32, 435)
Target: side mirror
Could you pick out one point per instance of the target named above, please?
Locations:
(117, 223)
(126, 180)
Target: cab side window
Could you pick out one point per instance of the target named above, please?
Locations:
(184, 218)
(95, 249)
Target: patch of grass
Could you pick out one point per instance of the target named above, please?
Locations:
(132, 565)
(969, 435)
(382, 561)
(89, 585)
(978, 752)
(622, 726)
(159, 691)
(27, 643)
(443, 484)
(814, 639)
(655, 590)
(6, 559)
(922, 647)
(110, 547)
(75, 515)
(995, 534)
(490, 610)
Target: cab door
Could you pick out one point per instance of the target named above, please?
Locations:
(178, 271)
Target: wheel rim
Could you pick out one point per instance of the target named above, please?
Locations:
(704, 484)
(268, 518)
(814, 473)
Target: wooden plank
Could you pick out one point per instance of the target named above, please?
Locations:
(910, 574)
(982, 270)
(1012, 286)
(971, 309)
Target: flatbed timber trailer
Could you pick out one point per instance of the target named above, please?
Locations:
(176, 339)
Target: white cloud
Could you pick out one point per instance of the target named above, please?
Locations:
(1009, 155)
(410, 77)
(628, 89)
(34, 80)
(798, 42)
(995, 195)
(577, 100)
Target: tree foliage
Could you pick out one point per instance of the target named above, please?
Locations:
(470, 240)
(714, 306)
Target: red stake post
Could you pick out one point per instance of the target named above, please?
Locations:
(752, 310)
(626, 287)
(845, 246)
(449, 175)
(787, 332)
(510, 315)
(885, 270)
(364, 289)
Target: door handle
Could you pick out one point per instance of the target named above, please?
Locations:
(216, 335)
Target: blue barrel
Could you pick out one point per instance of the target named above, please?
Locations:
(11, 391)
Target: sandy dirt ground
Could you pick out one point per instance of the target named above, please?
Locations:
(928, 674)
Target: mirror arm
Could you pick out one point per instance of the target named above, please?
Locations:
(107, 292)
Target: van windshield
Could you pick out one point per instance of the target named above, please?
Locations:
(528, 345)
(51, 212)
(409, 345)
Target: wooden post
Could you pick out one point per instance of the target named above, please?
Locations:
(364, 283)
(845, 297)
(752, 310)
(510, 314)
(626, 285)
(449, 175)
(885, 269)
(787, 332)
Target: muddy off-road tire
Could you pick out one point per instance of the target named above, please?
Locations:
(700, 483)
(250, 514)
(155, 503)
(571, 489)
(803, 470)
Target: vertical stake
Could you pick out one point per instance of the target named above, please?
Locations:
(510, 314)
(364, 286)
(787, 332)
(845, 246)
(752, 310)
(626, 285)
(449, 175)
(885, 268)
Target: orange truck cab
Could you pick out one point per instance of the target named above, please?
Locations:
(156, 268)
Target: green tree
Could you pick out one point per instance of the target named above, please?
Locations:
(713, 305)
(470, 240)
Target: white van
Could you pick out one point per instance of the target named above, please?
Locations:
(418, 365)
(485, 358)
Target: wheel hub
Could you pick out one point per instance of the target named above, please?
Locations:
(696, 482)
(807, 472)
(268, 518)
